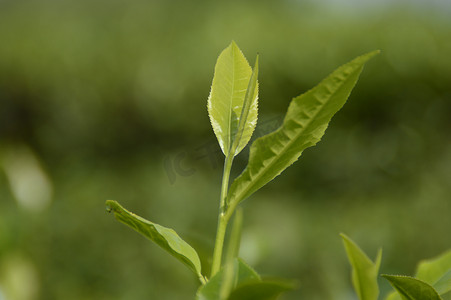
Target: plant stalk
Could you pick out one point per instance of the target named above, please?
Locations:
(224, 211)
(222, 220)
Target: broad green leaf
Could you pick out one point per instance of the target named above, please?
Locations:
(364, 271)
(305, 122)
(261, 290)
(412, 289)
(225, 102)
(212, 289)
(164, 237)
(436, 272)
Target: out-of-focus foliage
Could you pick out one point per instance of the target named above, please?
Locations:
(103, 99)
(364, 271)
(412, 288)
(436, 272)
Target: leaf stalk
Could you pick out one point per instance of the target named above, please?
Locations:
(222, 220)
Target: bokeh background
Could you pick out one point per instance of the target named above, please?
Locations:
(107, 100)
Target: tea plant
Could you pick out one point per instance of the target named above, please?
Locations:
(232, 108)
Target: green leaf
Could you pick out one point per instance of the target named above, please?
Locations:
(245, 273)
(247, 285)
(364, 271)
(212, 289)
(304, 124)
(412, 289)
(393, 296)
(243, 135)
(436, 272)
(261, 290)
(225, 102)
(164, 237)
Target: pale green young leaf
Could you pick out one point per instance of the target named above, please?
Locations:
(364, 271)
(225, 102)
(305, 122)
(436, 272)
(412, 289)
(164, 237)
(245, 125)
(212, 289)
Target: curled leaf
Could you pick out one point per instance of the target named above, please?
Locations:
(164, 237)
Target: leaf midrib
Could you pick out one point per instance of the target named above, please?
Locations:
(291, 141)
(229, 123)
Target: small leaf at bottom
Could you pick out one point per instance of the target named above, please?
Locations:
(164, 237)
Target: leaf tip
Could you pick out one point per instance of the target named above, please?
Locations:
(347, 241)
(344, 236)
(110, 205)
(375, 52)
(371, 54)
(378, 260)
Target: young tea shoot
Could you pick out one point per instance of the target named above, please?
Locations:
(233, 110)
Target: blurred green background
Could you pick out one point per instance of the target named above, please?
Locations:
(107, 100)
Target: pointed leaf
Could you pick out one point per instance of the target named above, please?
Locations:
(261, 290)
(164, 237)
(245, 273)
(304, 124)
(364, 271)
(245, 125)
(212, 289)
(436, 272)
(225, 102)
(412, 289)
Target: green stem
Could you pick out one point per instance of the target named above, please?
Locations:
(231, 209)
(232, 253)
(219, 244)
(222, 220)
